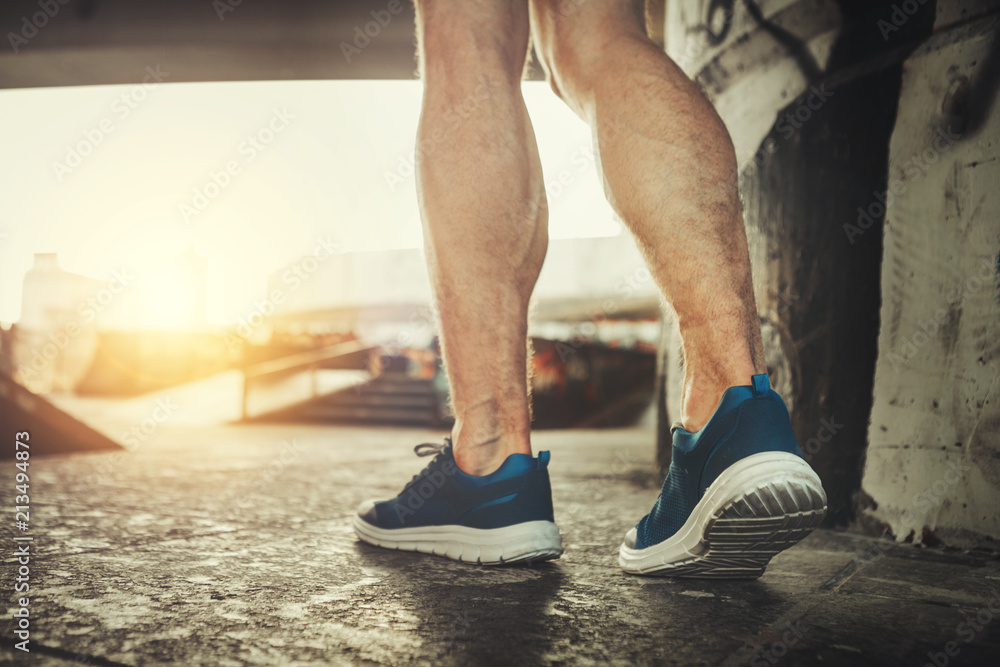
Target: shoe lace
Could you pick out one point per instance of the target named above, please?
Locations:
(441, 452)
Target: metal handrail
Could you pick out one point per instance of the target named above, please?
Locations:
(294, 363)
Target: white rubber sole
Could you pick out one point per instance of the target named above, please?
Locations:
(757, 507)
(522, 542)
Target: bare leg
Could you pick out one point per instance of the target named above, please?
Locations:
(482, 201)
(669, 170)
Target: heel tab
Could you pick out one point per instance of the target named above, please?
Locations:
(543, 460)
(761, 384)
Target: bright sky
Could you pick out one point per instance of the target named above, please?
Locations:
(330, 160)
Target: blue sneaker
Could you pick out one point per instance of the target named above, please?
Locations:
(737, 492)
(503, 517)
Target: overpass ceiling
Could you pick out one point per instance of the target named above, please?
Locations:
(91, 42)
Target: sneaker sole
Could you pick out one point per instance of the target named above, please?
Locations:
(758, 507)
(520, 543)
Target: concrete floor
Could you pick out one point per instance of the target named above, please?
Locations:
(231, 545)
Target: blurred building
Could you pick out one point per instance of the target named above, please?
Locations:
(52, 296)
(116, 335)
(55, 340)
(384, 297)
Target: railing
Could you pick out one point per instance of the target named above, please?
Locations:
(330, 357)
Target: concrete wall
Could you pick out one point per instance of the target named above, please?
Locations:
(933, 467)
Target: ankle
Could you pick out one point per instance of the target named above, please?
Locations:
(485, 454)
(703, 393)
(714, 360)
(489, 431)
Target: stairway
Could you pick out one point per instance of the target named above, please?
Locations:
(392, 398)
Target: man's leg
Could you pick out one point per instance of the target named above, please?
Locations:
(482, 201)
(485, 499)
(669, 170)
(738, 490)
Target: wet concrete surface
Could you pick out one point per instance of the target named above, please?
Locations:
(232, 545)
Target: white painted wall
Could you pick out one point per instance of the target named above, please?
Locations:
(933, 464)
